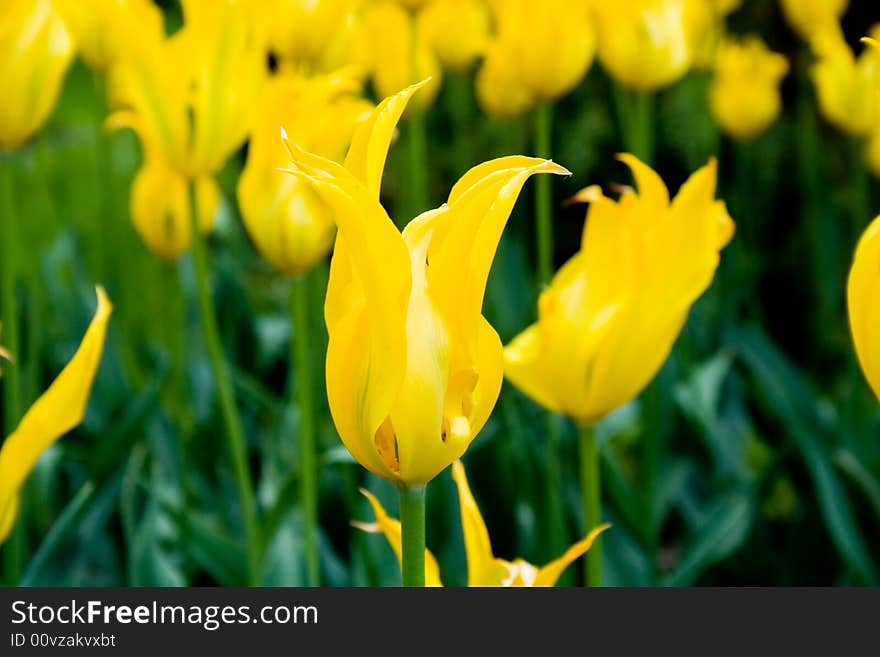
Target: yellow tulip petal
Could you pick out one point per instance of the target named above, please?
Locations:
(55, 413)
(864, 311)
(549, 574)
(477, 545)
(392, 530)
(370, 143)
(8, 517)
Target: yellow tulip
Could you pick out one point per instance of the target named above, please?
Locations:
(160, 207)
(58, 411)
(484, 569)
(644, 44)
(864, 311)
(413, 368)
(35, 51)
(846, 86)
(706, 21)
(807, 17)
(92, 23)
(610, 316)
(499, 88)
(288, 222)
(396, 52)
(552, 43)
(745, 96)
(191, 96)
(457, 30)
(303, 33)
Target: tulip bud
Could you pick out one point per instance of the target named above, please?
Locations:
(500, 89)
(457, 30)
(289, 224)
(744, 96)
(160, 207)
(35, 51)
(304, 32)
(644, 44)
(611, 314)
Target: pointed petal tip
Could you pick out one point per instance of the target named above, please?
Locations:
(105, 306)
(369, 527)
(589, 194)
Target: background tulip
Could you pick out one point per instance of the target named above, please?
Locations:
(745, 96)
(807, 17)
(457, 30)
(287, 221)
(35, 51)
(644, 44)
(864, 311)
(93, 24)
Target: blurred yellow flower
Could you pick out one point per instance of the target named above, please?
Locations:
(413, 368)
(58, 411)
(610, 316)
(457, 30)
(484, 569)
(864, 311)
(745, 96)
(499, 87)
(160, 207)
(287, 221)
(305, 34)
(846, 86)
(807, 17)
(191, 96)
(706, 26)
(644, 44)
(35, 51)
(551, 43)
(395, 52)
(93, 25)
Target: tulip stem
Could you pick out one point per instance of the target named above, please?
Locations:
(635, 111)
(592, 499)
(223, 379)
(544, 193)
(303, 387)
(417, 143)
(9, 339)
(412, 526)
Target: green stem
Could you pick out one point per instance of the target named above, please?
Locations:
(417, 173)
(223, 379)
(8, 267)
(412, 526)
(459, 92)
(635, 111)
(12, 554)
(304, 388)
(592, 499)
(556, 534)
(544, 193)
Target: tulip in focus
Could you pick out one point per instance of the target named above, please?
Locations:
(745, 96)
(610, 316)
(808, 17)
(413, 368)
(644, 44)
(287, 221)
(35, 51)
(484, 569)
(846, 86)
(94, 26)
(864, 311)
(59, 410)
